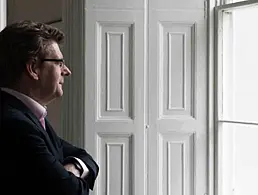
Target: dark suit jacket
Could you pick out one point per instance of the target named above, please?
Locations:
(31, 158)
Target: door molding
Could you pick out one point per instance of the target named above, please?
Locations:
(3, 14)
(73, 100)
(211, 95)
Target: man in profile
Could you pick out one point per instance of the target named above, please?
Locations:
(34, 160)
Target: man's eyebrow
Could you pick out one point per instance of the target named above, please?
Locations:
(52, 59)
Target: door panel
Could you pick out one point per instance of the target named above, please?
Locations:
(177, 104)
(115, 99)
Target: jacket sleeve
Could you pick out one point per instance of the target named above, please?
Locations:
(70, 150)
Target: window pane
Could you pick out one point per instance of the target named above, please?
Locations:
(239, 159)
(240, 65)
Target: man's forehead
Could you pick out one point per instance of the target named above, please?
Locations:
(53, 50)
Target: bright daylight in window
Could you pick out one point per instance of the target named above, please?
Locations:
(237, 98)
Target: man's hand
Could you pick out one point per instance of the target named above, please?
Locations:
(71, 168)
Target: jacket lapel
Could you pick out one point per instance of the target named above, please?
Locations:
(49, 141)
(16, 103)
(51, 133)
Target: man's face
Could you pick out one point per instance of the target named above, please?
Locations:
(51, 74)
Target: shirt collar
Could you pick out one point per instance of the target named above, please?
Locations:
(37, 109)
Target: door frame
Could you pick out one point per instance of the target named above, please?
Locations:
(3, 14)
(210, 5)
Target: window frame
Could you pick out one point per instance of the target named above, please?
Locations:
(224, 5)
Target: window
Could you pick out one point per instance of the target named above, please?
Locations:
(237, 97)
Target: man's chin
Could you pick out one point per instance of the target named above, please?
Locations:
(59, 93)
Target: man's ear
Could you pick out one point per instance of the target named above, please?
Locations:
(33, 69)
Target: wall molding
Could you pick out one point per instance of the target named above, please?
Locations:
(73, 100)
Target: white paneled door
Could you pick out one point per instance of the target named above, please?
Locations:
(177, 143)
(115, 99)
(146, 96)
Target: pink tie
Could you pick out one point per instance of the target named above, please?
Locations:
(42, 121)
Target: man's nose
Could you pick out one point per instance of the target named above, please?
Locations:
(66, 71)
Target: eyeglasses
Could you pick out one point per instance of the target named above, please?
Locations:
(61, 61)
